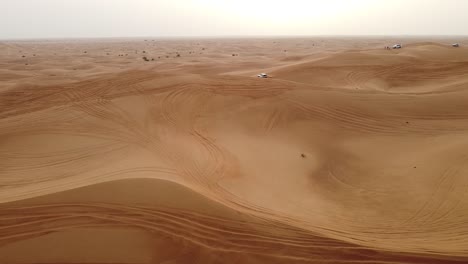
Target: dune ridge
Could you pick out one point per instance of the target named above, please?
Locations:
(343, 156)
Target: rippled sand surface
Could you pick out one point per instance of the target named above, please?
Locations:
(349, 153)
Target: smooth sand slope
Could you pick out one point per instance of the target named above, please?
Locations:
(349, 154)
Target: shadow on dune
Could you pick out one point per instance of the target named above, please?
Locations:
(155, 221)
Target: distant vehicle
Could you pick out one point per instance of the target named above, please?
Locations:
(262, 75)
(455, 45)
(397, 46)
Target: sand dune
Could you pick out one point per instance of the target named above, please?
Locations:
(415, 69)
(349, 154)
(152, 221)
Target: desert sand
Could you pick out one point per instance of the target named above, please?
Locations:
(349, 153)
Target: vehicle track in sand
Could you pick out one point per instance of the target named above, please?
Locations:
(187, 127)
(214, 233)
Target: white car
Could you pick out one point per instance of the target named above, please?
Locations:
(456, 45)
(397, 46)
(262, 75)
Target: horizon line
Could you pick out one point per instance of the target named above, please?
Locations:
(230, 37)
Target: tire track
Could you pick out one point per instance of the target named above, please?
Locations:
(213, 233)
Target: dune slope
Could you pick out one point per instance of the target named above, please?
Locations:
(153, 221)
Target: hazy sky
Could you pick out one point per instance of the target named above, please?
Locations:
(121, 18)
